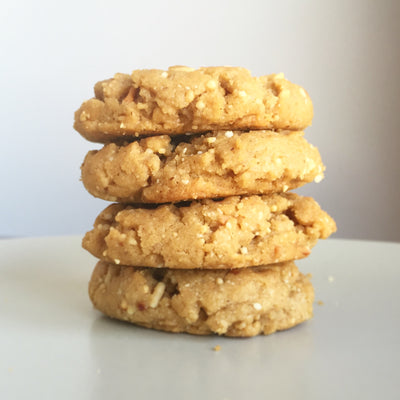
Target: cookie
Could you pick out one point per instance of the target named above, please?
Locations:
(234, 232)
(220, 164)
(244, 302)
(183, 99)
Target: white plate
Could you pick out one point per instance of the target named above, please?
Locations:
(54, 345)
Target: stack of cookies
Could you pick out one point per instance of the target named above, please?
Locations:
(203, 232)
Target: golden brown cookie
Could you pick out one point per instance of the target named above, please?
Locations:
(245, 302)
(182, 99)
(234, 232)
(219, 164)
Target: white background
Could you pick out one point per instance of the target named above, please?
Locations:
(345, 53)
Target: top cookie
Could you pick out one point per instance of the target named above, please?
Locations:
(183, 100)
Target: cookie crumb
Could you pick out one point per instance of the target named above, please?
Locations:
(200, 105)
(285, 93)
(319, 178)
(211, 84)
(303, 92)
(320, 302)
(211, 139)
(132, 241)
(217, 347)
(124, 305)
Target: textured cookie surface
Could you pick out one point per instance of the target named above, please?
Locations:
(232, 233)
(184, 100)
(219, 164)
(246, 302)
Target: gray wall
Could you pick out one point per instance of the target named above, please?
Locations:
(345, 53)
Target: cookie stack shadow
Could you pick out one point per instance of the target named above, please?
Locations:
(204, 228)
